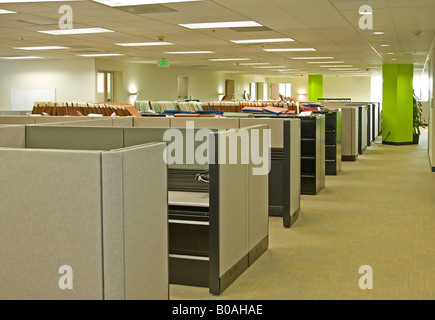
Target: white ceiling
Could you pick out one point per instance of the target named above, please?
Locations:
(329, 26)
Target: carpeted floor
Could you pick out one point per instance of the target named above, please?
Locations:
(379, 211)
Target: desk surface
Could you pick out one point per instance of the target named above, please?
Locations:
(192, 199)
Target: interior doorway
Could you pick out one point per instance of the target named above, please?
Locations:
(105, 86)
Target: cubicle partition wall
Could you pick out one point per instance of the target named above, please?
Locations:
(12, 136)
(82, 224)
(285, 153)
(217, 229)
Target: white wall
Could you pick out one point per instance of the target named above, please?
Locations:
(356, 88)
(154, 83)
(73, 79)
(431, 115)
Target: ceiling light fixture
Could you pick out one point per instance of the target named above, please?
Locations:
(290, 50)
(270, 67)
(75, 31)
(385, 45)
(28, 1)
(143, 44)
(122, 3)
(262, 40)
(322, 62)
(337, 66)
(253, 64)
(188, 52)
(378, 32)
(311, 58)
(20, 58)
(344, 69)
(6, 11)
(231, 59)
(42, 48)
(101, 55)
(216, 25)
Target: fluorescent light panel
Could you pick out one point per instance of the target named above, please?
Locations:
(101, 55)
(6, 11)
(20, 58)
(262, 40)
(28, 1)
(290, 50)
(231, 59)
(75, 31)
(188, 52)
(322, 62)
(254, 64)
(270, 67)
(41, 48)
(344, 69)
(144, 44)
(215, 25)
(337, 66)
(311, 58)
(122, 3)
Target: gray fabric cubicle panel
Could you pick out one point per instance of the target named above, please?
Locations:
(275, 125)
(135, 223)
(218, 123)
(152, 122)
(295, 165)
(136, 136)
(122, 121)
(83, 138)
(46, 225)
(258, 196)
(233, 210)
(99, 122)
(17, 120)
(12, 136)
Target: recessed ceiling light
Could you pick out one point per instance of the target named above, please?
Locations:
(344, 69)
(394, 59)
(262, 40)
(144, 44)
(42, 48)
(253, 63)
(101, 55)
(75, 31)
(122, 3)
(189, 52)
(213, 25)
(231, 59)
(6, 11)
(378, 32)
(290, 50)
(390, 53)
(309, 58)
(385, 45)
(322, 62)
(337, 66)
(28, 1)
(20, 58)
(270, 67)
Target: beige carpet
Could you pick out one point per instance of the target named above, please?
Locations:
(379, 211)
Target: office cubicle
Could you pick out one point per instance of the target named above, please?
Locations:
(82, 224)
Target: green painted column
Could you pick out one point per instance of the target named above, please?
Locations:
(397, 103)
(315, 87)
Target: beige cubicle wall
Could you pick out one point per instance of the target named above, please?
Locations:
(12, 136)
(239, 205)
(83, 224)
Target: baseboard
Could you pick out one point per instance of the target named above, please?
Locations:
(258, 250)
(349, 158)
(397, 143)
(232, 274)
(294, 217)
(433, 169)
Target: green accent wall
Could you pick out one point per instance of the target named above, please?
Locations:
(315, 87)
(397, 103)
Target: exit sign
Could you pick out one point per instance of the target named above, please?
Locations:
(163, 63)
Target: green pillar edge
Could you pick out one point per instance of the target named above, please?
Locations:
(315, 87)
(397, 103)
